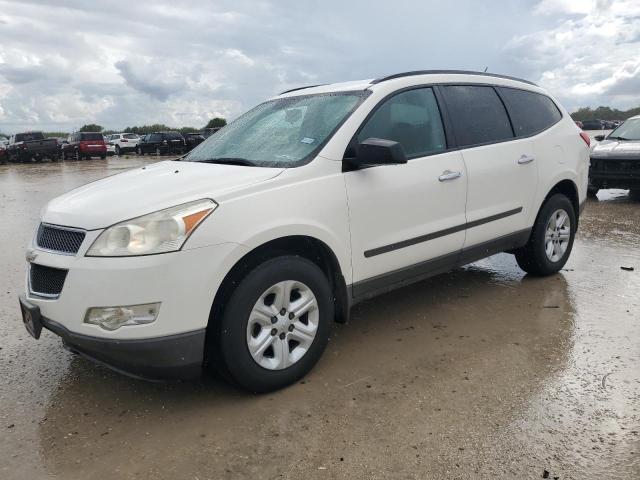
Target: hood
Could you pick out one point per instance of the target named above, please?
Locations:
(143, 190)
(616, 148)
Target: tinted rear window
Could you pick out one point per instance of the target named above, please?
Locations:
(130, 135)
(477, 114)
(25, 137)
(91, 136)
(530, 112)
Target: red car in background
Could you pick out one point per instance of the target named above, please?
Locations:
(84, 145)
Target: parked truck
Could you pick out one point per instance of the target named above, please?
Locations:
(32, 146)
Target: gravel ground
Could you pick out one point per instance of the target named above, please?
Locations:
(480, 373)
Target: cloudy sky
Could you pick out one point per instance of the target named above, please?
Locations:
(119, 63)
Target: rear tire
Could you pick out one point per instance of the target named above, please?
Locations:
(551, 238)
(117, 150)
(295, 286)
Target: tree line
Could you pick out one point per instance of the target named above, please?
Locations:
(604, 113)
(216, 122)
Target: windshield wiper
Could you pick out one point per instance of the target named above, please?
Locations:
(229, 161)
(619, 138)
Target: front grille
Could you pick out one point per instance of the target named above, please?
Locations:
(46, 281)
(616, 165)
(59, 239)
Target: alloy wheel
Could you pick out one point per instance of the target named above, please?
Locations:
(557, 235)
(282, 325)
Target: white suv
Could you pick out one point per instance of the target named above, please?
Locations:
(242, 254)
(123, 142)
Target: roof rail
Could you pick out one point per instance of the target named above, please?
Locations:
(461, 72)
(301, 88)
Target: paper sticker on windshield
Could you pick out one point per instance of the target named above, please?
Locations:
(307, 140)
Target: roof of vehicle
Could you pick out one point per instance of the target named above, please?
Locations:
(461, 75)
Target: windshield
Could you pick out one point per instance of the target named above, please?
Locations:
(629, 130)
(280, 133)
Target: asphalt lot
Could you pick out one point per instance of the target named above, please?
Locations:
(481, 373)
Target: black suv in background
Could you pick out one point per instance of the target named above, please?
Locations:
(592, 125)
(161, 143)
(192, 140)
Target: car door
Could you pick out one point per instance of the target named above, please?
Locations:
(502, 173)
(153, 141)
(407, 219)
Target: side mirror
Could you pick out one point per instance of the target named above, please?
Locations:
(377, 151)
(599, 138)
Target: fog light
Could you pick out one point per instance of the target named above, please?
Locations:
(112, 318)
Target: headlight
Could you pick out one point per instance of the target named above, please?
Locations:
(158, 232)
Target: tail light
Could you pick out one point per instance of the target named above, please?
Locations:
(586, 138)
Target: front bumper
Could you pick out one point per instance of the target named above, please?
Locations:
(614, 172)
(184, 282)
(166, 358)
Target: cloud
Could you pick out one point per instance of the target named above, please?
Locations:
(153, 81)
(591, 57)
(179, 62)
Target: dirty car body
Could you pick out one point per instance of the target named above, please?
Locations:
(241, 255)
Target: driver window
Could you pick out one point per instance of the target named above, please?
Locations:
(410, 118)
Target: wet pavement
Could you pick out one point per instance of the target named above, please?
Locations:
(481, 373)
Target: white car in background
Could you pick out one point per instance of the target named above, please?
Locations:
(111, 149)
(240, 256)
(123, 142)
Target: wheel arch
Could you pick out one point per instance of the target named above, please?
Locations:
(568, 188)
(305, 246)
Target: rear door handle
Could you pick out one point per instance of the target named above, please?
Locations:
(449, 175)
(524, 159)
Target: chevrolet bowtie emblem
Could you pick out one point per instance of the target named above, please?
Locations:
(31, 255)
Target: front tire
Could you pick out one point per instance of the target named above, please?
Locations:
(276, 324)
(551, 238)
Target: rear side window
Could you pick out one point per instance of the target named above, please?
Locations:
(477, 114)
(530, 112)
(411, 118)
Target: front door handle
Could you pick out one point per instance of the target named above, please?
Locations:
(524, 159)
(449, 175)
